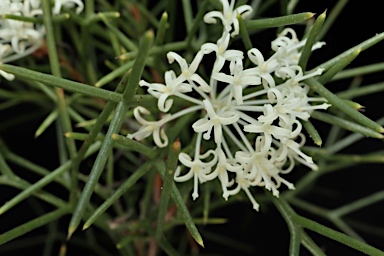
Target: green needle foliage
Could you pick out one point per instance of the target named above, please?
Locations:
(93, 185)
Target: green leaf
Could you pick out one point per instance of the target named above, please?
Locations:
(311, 40)
(244, 33)
(123, 188)
(340, 65)
(178, 199)
(114, 127)
(311, 246)
(33, 224)
(46, 79)
(196, 22)
(162, 28)
(313, 133)
(46, 123)
(363, 46)
(134, 145)
(167, 186)
(348, 125)
(337, 236)
(362, 91)
(114, 74)
(279, 21)
(124, 40)
(359, 71)
(344, 107)
(359, 204)
(294, 230)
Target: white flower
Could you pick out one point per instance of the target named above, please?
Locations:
(262, 169)
(214, 120)
(229, 16)
(20, 34)
(264, 125)
(10, 7)
(69, 4)
(291, 149)
(222, 53)
(188, 71)
(264, 68)
(287, 49)
(199, 170)
(221, 172)
(150, 127)
(243, 183)
(162, 91)
(5, 49)
(239, 80)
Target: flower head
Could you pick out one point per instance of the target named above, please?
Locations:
(257, 133)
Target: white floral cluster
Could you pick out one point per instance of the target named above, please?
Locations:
(244, 104)
(21, 38)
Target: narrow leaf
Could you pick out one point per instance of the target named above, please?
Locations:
(46, 79)
(345, 124)
(337, 236)
(167, 186)
(340, 65)
(344, 107)
(311, 40)
(46, 123)
(134, 145)
(311, 246)
(244, 33)
(363, 46)
(359, 71)
(114, 127)
(123, 188)
(362, 91)
(287, 212)
(179, 201)
(162, 28)
(313, 133)
(279, 21)
(33, 224)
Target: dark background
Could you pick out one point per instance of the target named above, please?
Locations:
(264, 233)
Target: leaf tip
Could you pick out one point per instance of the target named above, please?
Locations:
(86, 225)
(310, 15)
(71, 230)
(200, 242)
(324, 14)
(150, 34)
(164, 16)
(114, 136)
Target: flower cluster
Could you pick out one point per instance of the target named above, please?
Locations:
(20, 38)
(249, 130)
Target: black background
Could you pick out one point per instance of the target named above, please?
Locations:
(266, 233)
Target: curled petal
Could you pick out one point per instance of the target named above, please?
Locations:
(160, 138)
(184, 177)
(163, 104)
(202, 125)
(245, 11)
(210, 17)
